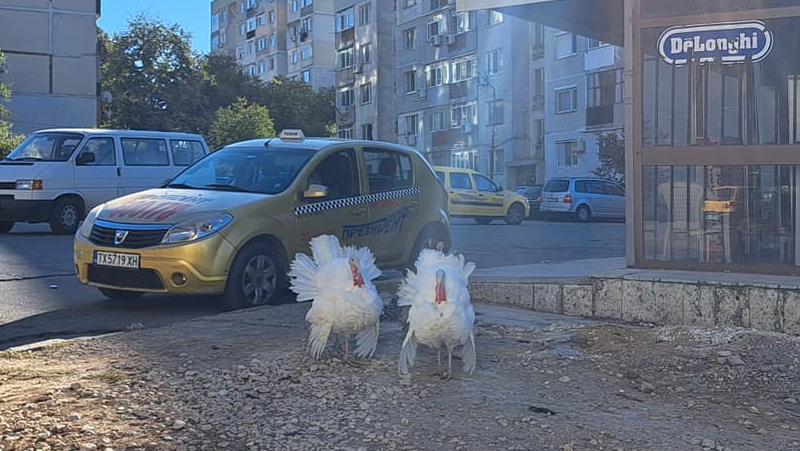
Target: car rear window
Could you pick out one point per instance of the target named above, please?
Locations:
(556, 186)
(388, 170)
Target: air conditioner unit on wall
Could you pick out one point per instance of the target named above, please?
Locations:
(450, 39)
(436, 40)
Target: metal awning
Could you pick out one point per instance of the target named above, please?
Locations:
(599, 19)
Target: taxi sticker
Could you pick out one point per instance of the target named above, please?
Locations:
(319, 207)
(384, 226)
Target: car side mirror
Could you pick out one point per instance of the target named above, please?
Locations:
(85, 158)
(315, 192)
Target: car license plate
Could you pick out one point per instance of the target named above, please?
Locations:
(551, 199)
(116, 259)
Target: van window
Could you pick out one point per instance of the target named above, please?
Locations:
(460, 180)
(612, 189)
(557, 186)
(144, 152)
(46, 147)
(387, 170)
(484, 184)
(105, 153)
(186, 152)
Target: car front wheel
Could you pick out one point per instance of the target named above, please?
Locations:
(515, 215)
(65, 216)
(255, 277)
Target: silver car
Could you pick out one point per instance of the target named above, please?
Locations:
(582, 198)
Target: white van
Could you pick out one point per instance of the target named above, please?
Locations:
(58, 175)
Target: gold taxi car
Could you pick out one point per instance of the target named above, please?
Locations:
(474, 195)
(231, 223)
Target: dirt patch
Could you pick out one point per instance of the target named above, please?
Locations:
(242, 381)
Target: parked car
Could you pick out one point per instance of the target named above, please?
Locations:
(582, 198)
(58, 175)
(231, 223)
(476, 196)
(533, 193)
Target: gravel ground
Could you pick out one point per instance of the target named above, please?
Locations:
(241, 381)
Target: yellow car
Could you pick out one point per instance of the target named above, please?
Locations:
(474, 195)
(231, 223)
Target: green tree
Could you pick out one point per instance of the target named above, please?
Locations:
(225, 82)
(240, 121)
(294, 104)
(152, 80)
(8, 139)
(611, 151)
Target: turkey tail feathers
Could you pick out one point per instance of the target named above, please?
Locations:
(366, 261)
(325, 248)
(303, 276)
(408, 352)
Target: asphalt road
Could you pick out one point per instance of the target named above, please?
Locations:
(40, 297)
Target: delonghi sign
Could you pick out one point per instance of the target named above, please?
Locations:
(730, 42)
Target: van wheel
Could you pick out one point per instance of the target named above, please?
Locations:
(483, 220)
(6, 226)
(256, 275)
(65, 216)
(583, 214)
(515, 215)
(120, 294)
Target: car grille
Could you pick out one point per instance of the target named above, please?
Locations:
(146, 279)
(136, 239)
(8, 185)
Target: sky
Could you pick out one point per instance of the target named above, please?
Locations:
(193, 16)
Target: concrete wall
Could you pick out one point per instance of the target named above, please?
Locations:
(633, 299)
(51, 62)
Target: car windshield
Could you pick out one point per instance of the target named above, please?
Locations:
(253, 170)
(556, 186)
(46, 147)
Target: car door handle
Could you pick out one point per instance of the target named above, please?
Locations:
(481, 195)
(119, 171)
(359, 212)
(413, 205)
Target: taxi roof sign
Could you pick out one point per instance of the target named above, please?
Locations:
(292, 134)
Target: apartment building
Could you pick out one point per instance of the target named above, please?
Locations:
(51, 62)
(271, 38)
(463, 94)
(583, 101)
(365, 75)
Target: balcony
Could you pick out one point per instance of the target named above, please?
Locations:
(538, 102)
(599, 115)
(346, 114)
(345, 76)
(537, 50)
(345, 38)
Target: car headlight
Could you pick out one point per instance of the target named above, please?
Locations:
(29, 184)
(197, 228)
(88, 221)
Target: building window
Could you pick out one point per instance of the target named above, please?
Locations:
(494, 18)
(436, 73)
(251, 47)
(412, 126)
(566, 100)
(366, 92)
(438, 119)
(346, 97)
(411, 81)
(306, 52)
(262, 44)
(435, 25)
(215, 23)
(346, 58)
(271, 63)
(304, 3)
(273, 40)
(307, 76)
(409, 3)
(538, 35)
(223, 17)
(223, 38)
(345, 133)
(242, 7)
(538, 129)
(436, 4)
(242, 29)
(494, 62)
(366, 53)
(566, 45)
(604, 88)
(366, 132)
(272, 16)
(364, 12)
(463, 114)
(344, 19)
(251, 24)
(295, 56)
(261, 19)
(496, 112)
(294, 6)
(251, 70)
(566, 153)
(305, 24)
(592, 43)
(410, 36)
(463, 68)
(463, 159)
(538, 82)
(261, 68)
(215, 41)
(463, 22)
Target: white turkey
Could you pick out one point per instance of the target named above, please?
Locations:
(441, 315)
(339, 280)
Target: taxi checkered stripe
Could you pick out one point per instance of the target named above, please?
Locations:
(351, 201)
